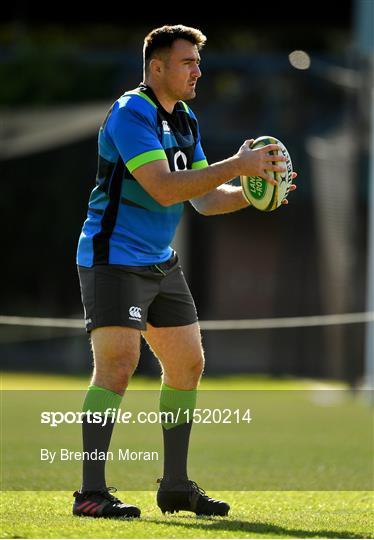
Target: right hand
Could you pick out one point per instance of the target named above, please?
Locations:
(258, 161)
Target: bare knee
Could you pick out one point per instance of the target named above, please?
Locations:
(184, 375)
(114, 372)
(116, 355)
(196, 367)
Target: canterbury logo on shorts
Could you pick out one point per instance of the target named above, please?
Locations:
(135, 313)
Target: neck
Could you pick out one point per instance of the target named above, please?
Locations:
(163, 97)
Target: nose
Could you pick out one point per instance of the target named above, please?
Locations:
(197, 71)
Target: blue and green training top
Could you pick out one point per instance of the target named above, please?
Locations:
(124, 224)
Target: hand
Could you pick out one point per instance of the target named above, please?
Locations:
(258, 162)
(292, 187)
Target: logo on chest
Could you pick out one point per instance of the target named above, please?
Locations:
(165, 127)
(180, 161)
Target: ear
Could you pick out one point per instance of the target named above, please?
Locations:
(156, 66)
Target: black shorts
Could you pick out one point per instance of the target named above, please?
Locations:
(116, 295)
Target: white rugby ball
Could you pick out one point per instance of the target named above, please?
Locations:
(260, 193)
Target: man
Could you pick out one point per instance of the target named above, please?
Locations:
(150, 162)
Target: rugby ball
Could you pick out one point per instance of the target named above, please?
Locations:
(257, 191)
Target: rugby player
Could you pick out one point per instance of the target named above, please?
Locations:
(150, 162)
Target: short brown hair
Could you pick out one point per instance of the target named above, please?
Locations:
(164, 37)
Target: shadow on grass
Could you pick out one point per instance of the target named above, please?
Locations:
(219, 524)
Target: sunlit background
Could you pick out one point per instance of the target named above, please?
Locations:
(303, 76)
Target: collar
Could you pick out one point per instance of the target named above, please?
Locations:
(143, 87)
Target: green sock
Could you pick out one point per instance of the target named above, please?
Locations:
(100, 399)
(176, 435)
(97, 436)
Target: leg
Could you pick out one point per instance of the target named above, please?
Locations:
(179, 352)
(181, 356)
(116, 353)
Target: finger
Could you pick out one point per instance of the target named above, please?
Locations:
(269, 179)
(271, 148)
(276, 168)
(293, 175)
(293, 187)
(284, 201)
(249, 142)
(269, 157)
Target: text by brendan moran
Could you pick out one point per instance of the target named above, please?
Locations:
(123, 454)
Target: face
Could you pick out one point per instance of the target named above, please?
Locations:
(179, 70)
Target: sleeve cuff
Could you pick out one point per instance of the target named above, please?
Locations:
(146, 157)
(200, 164)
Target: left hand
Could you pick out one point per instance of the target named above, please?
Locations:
(292, 187)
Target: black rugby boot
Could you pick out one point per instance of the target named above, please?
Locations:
(102, 504)
(187, 495)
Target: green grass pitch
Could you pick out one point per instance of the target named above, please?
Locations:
(254, 514)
